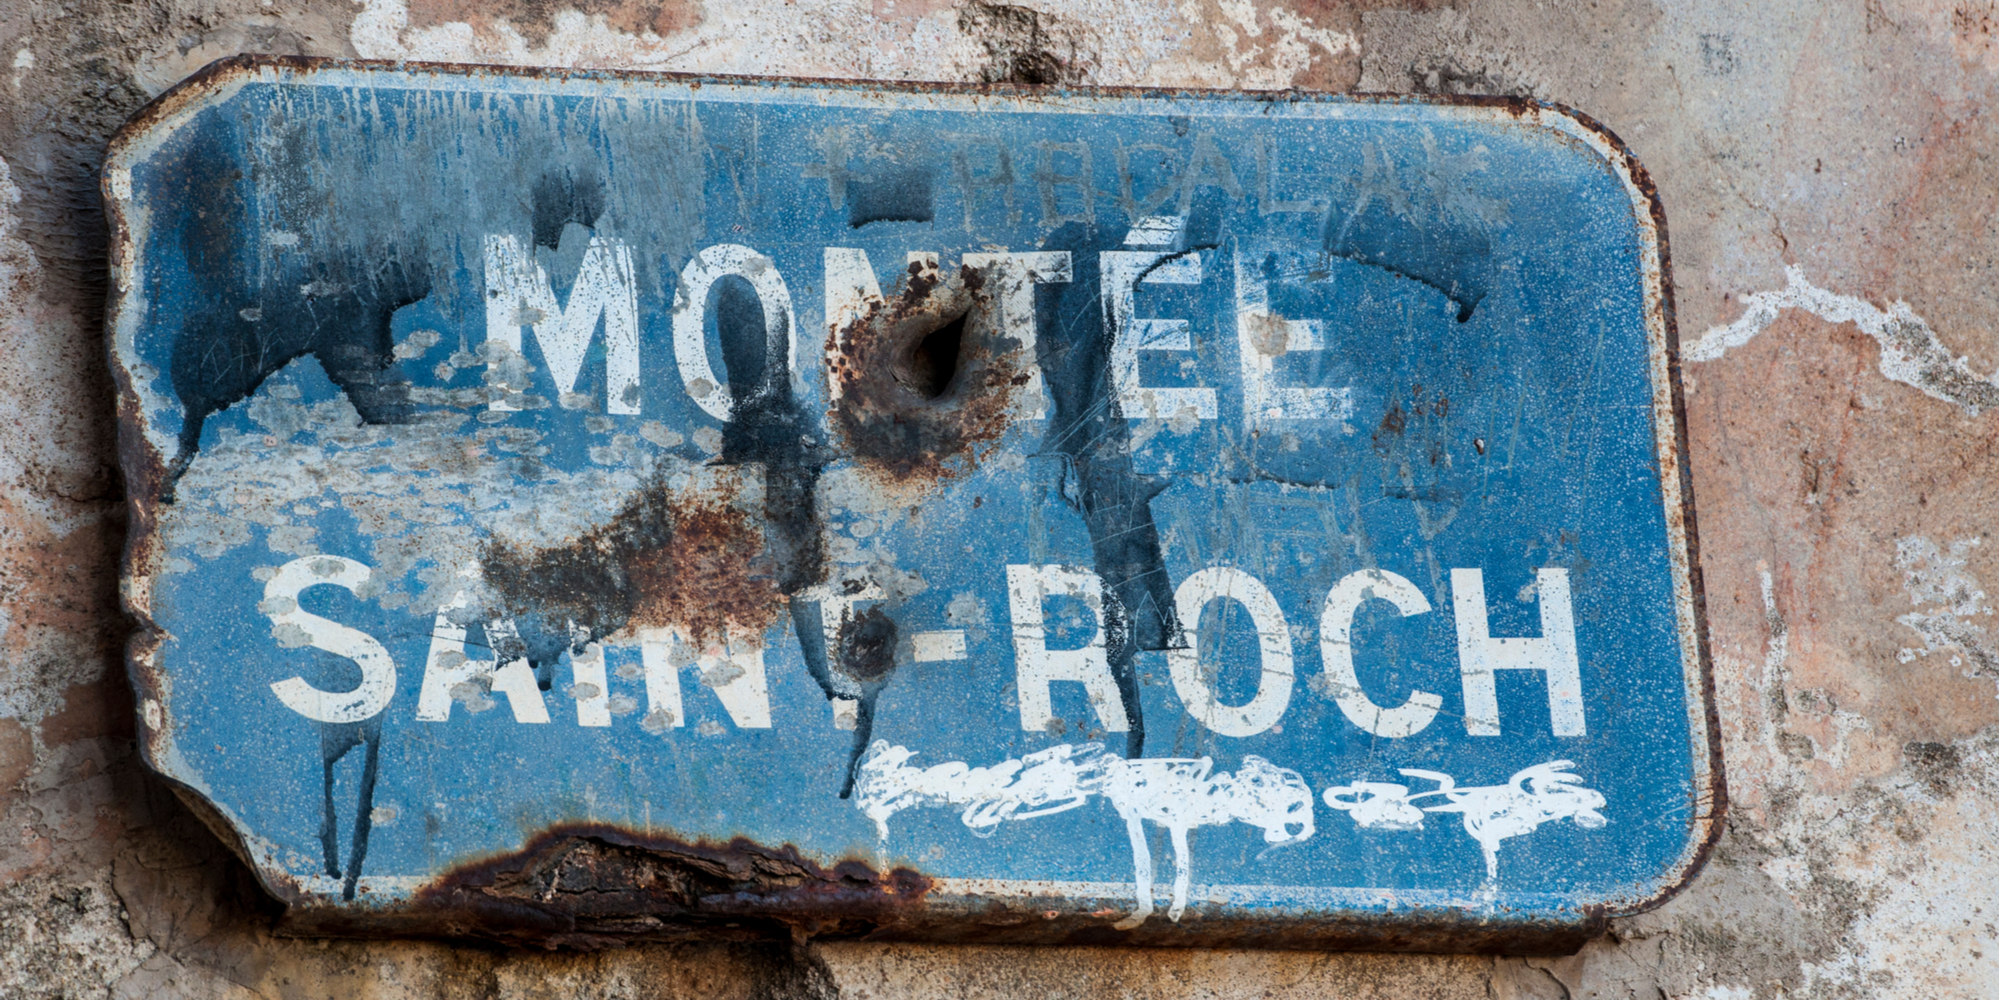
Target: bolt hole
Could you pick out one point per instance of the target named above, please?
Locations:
(933, 362)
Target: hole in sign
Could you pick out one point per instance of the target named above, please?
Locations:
(933, 360)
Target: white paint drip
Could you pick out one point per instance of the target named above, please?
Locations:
(1177, 793)
(1911, 353)
(1491, 813)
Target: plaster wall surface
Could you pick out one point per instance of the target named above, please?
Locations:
(1829, 176)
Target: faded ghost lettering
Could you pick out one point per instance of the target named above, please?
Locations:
(294, 626)
(1050, 180)
(518, 294)
(998, 177)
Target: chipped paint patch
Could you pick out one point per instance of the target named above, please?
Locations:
(1098, 41)
(1947, 599)
(1911, 352)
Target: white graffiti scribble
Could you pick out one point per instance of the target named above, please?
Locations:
(1044, 782)
(1491, 813)
(1177, 793)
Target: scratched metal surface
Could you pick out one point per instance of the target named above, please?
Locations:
(572, 507)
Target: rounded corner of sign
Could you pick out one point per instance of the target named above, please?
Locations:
(202, 87)
(1613, 150)
(1653, 892)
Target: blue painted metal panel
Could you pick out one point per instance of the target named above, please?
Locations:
(908, 510)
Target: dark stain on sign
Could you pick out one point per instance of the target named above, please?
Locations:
(335, 305)
(562, 197)
(595, 886)
(335, 741)
(902, 195)
(856, 666)
(866, 656)
(768, 427)
(1088, 428)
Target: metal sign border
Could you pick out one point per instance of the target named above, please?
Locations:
(1284, 916)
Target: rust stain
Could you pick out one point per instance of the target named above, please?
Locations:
(927, 379)
(594, 886)
(692, 561)
(713, 579)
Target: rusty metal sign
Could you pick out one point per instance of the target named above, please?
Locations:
(580, 507)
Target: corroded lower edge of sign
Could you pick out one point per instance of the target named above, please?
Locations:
(604, 887)
(575, 888)
(588, 886)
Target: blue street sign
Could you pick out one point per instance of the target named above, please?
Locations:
(577, 506)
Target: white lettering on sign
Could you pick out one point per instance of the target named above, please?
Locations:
(518, 294)
(587, 686)
(290, 624)
(450, 675)
(850, 289)
(1274, 645)
(1013, 277)
(1262, 338)
(1553, 653)
(1036, 666)
(709, 390)
(734, 670)
(1122, 272)
(1336, 625)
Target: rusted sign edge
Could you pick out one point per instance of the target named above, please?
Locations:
(951, 911)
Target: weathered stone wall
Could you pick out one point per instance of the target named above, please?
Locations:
(1829, 176)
